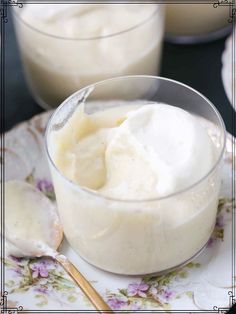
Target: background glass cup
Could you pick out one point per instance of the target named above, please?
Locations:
(196, 23)
(129, 236)
(55, 66)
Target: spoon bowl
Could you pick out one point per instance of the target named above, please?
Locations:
(33, 229)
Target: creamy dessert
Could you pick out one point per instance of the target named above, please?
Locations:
(65, 47)
(32, 226)
(195, 19)
(147, 152)
(119, 181)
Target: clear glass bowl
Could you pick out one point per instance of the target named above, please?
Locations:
(57, 66)
(128, 236)
(196, 23)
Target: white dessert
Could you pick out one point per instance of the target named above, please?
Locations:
(66, 47)
(156, 151)
(125, 162)
(148, 152)
(195, 19)
(32, 226)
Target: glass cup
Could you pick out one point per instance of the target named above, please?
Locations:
(130, 236)
(196, 23)
(57, 66)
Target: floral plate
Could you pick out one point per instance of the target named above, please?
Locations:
(41, 284)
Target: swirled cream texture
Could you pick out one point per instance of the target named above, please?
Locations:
(125, 162)
(68, 46)
(149, 152)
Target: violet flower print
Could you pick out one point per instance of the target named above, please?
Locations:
(15, 259)
(44, 185)
(18, 265)
(138, 289)
(42, 289)
(220, 221)
(39, 269)
(116, 303)
(166, 295)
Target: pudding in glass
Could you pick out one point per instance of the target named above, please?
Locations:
(65, 47)
(190, 23)
(136, 181)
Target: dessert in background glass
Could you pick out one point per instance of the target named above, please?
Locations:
(122, 234)
(65, 47)
(196, 23)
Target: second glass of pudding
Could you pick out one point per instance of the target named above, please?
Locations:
(65, 47)
(136, 167)
(196, 23)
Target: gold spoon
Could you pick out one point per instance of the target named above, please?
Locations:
(33, 229)
(84, 285)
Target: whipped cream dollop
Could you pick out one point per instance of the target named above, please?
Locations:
(136, 152)
(157, 151)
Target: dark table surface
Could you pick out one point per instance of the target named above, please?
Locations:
(196, 65)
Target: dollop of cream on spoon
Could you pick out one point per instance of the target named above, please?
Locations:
(32, 226)
(33, 229)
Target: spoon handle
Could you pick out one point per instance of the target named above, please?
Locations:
(84, 285)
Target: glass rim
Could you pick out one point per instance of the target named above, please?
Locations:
(198, 38)
(148, 200)
(87, 38)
